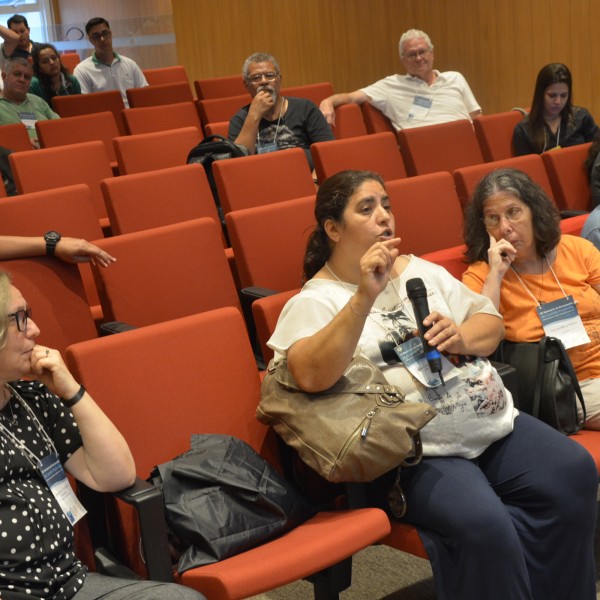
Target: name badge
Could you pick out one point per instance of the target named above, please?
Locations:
(55, 477)
(412, 355)
(420, 107)
(28, 119)
(560, 319)
(266, 148)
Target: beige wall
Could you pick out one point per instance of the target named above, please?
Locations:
(499, 45)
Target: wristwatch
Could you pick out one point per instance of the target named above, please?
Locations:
(52, 238)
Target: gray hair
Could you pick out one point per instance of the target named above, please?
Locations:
(5, 283)
(259, 57)
(413, 34)
(19, 61)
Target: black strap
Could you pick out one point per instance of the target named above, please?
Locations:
(565, 361)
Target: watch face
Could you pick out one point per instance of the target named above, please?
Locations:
(52, 236)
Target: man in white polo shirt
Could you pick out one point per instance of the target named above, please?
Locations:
(106, 70)
(421, 97)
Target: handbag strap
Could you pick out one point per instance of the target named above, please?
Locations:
(567, 365)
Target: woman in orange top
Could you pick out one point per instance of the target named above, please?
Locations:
(519, 259)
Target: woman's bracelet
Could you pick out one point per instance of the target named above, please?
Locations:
(355, 311)
(71, 402)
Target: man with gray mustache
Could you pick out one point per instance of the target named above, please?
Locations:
(273, 122)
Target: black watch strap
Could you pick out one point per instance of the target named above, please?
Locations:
(52, 238)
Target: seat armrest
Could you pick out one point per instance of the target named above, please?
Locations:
(255, 292)
(147, 501)
(565, 214)
(112, 327)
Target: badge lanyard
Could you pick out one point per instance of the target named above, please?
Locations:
(272, 147)
(560, 317)
(557, 138)
(49, 467)
(411, 353)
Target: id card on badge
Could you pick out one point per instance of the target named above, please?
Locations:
(28, 119)
(412, 355)
(55, 477)
(266, 148)
(560, 319)
(420, 107)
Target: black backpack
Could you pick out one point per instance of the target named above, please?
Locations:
(211, 148)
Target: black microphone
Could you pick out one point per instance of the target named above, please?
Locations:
(417, 294)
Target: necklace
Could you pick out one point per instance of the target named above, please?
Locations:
(373, 309)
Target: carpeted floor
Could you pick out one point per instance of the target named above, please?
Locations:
(382, 573)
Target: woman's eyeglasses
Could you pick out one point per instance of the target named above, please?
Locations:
(513, 214)
(21, 317)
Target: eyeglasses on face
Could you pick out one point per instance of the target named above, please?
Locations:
(416, 54)
(21, 317)
(270, 76)
(96, 37)
(513, 214)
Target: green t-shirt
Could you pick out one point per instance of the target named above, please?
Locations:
(28, 112)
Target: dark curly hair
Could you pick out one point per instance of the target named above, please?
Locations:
(332, 198)
(545, 218)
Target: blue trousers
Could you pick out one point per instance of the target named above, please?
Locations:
(516, 523)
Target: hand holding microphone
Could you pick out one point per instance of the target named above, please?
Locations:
(417, 294)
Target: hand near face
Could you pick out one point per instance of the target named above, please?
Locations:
(262, 103)
(376, 265)
(501, 254)
(48, 367)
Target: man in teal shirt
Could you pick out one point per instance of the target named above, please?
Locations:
(16, 104)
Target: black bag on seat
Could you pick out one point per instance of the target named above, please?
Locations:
(211, 148)
(547, 384)
(222, 498)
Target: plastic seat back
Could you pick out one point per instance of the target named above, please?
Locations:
(83, 128)
(174, 74)
(70, 60)
(427, 211)
(49, 168)
(157, 95)
(156, 198)
(266, 313)
(219, 87)
(68, 210)
(452, 259)
(443, 147)
(568, 177)
(161, 118)
(165, 273)
(495, 133)
(349, 122)
(262, 179)
(14, 136)
(315, 92)
(573, 225)
(155, 150)
(269, 242)
(375, 120)
(55, 292)
(217, 129)
(467, 178)
(83, 104)
(217, 110)
(378, 152)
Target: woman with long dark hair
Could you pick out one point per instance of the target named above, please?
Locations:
(553, 122)
(51, 77)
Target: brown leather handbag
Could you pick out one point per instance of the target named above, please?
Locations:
(357, 430)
